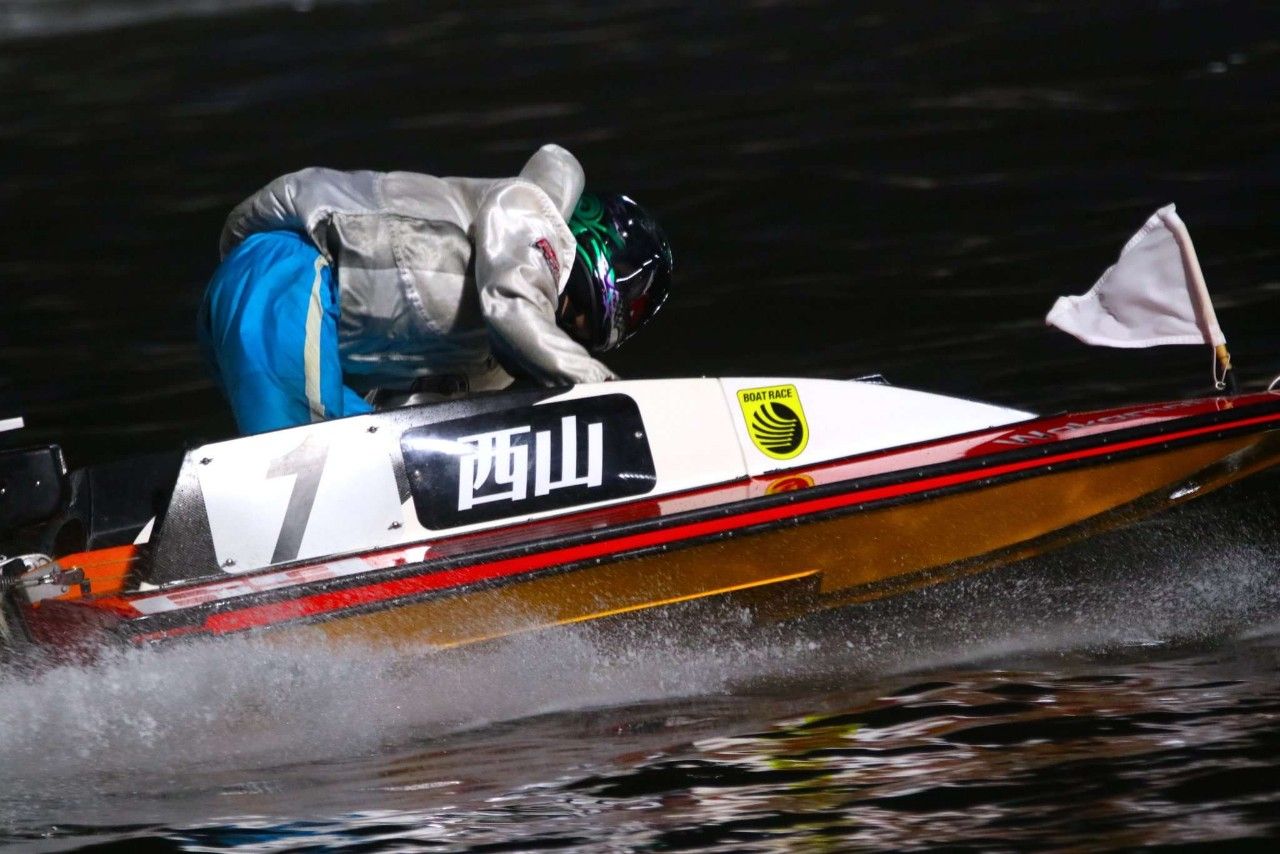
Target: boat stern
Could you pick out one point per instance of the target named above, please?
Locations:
(47, 605)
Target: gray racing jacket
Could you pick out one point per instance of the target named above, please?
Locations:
(435, 274)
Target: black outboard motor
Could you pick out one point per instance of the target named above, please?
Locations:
(33, 490)
(46, 510)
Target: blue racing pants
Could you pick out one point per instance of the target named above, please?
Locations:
(269, 325)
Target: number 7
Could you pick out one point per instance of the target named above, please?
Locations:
(306, 463)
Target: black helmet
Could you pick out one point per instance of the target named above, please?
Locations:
(621, 273)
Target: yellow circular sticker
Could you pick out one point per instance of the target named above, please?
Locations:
(775, 420)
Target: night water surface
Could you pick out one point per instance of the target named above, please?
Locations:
(850, 187)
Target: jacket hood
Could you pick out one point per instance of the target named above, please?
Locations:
(558, 174)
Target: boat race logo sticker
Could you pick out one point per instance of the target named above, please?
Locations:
(775, 420)
(511, 463)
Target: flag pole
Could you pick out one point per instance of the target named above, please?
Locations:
(1224, 378)
(1227, 382)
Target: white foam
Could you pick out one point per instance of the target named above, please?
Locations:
(253, 703)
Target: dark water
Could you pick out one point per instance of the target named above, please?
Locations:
(851, 187)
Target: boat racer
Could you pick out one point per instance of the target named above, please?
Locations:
(337, 286)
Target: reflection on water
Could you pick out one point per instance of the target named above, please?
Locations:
(1137, 755)
(893, 187)
(28, 19)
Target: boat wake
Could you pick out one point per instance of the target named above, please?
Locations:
(252, 703)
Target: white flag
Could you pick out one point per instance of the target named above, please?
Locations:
(1155, 294)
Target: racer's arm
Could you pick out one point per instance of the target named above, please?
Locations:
(520, 286)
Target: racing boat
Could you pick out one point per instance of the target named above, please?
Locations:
(460, 521)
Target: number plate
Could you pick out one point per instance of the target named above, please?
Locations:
(515, 463)
(293, 494)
